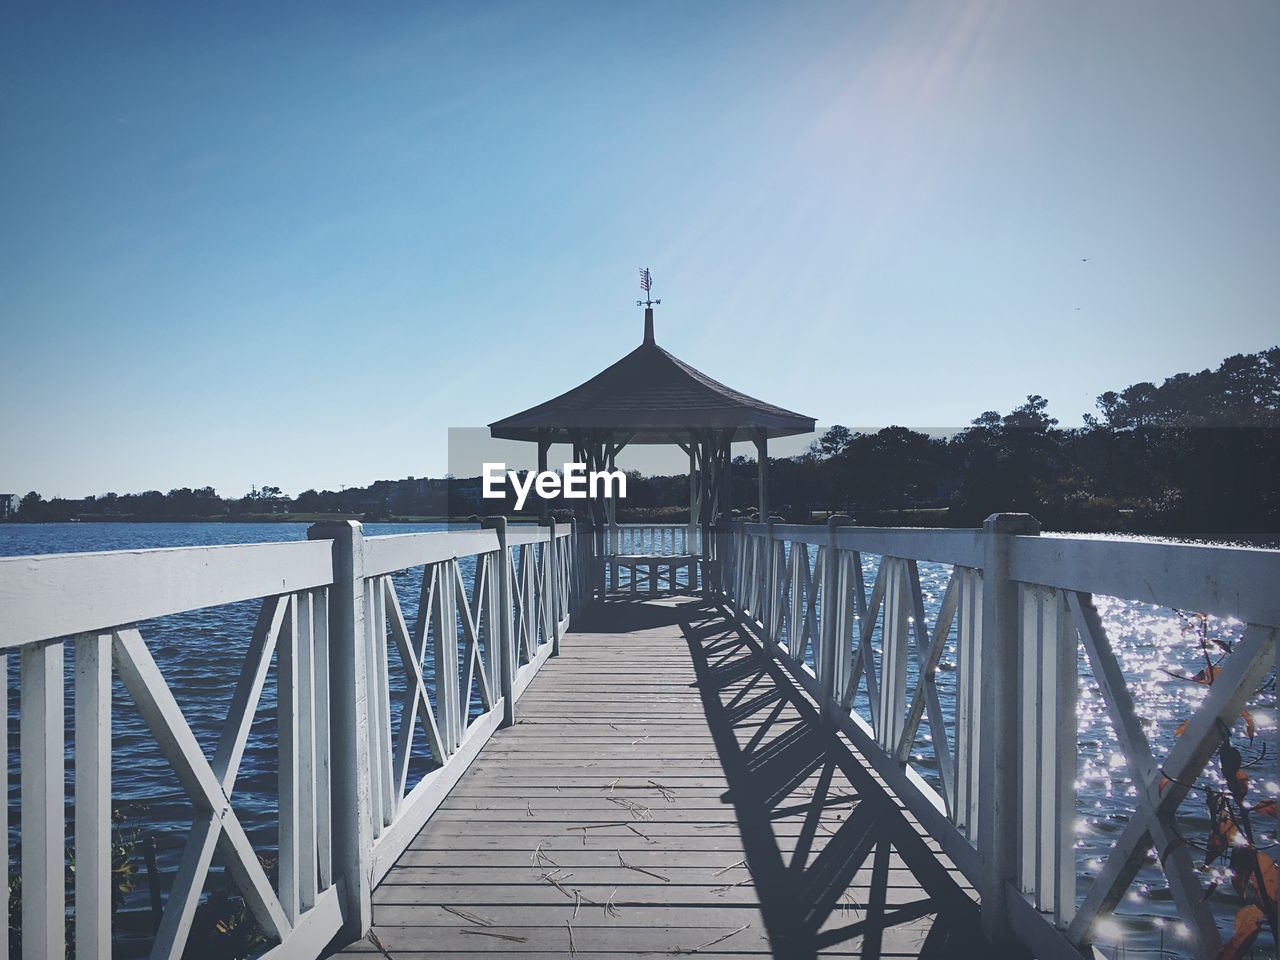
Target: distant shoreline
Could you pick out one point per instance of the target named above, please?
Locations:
(1263, 540)
(251, 518)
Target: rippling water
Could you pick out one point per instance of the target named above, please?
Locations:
(200, 654)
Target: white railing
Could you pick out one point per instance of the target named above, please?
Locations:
(650, 540)
(653, 539)
(1015, 606)
(331, 617)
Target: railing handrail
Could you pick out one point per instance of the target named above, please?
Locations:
(518, 535)
(60, 594)
(1225, 581)
(400, 551)
(941, 545)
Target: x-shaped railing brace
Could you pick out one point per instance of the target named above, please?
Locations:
(863, 658)
(216, 824)
(1153, 823)
(928, 653)
(415, 694)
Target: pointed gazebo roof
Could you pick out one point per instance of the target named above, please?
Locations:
(651, 396)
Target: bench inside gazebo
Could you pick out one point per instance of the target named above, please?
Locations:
(645, 572)
(651, 396)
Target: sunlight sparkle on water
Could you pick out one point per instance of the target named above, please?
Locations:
(1108, 929)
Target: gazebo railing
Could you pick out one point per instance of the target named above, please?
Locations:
(654, 539)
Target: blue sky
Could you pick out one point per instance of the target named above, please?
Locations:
(295, 244)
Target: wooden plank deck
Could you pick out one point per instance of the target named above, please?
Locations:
(667, 790)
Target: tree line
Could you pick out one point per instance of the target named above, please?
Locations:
(1196, 455)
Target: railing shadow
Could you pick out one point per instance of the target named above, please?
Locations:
(836, 865)
(603, 616)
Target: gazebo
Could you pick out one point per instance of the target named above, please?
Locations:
(653, 397)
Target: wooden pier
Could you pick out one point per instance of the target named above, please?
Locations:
(667, 789)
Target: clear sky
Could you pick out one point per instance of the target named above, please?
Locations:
(293, 245)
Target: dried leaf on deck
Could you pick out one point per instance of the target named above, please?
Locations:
(493, 933)
(711, 943)
(472, 917)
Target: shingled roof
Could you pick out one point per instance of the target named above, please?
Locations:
(651, 396)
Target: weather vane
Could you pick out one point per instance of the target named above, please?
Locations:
(646, 284)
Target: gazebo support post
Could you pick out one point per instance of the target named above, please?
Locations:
(762, 472)
(694, 498)
(611, 503)
(544, 444)
(695, 495)
(706, 502)
(726, 441)
(717, 490)
(726, 479)
(595, 449)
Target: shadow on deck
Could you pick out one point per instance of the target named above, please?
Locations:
(668, 790)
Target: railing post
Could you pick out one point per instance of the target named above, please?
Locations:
(613, 534)
(770, 581)
(350, 767)
(41, 727)
(999, 727)
(725, 557)
(506, 630)
(93, 795)
(600, 543)
(832, 612)
(744, 560)
(710, 532)
(575, 568)
(704, 563)
(551, 586)
(585, 561)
